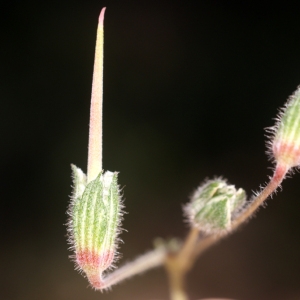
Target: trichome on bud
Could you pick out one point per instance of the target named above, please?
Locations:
(213, 206)
(285, 142)
(94, 225)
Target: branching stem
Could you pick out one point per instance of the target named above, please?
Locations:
(178, 264)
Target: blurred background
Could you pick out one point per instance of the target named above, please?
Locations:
(188, 89)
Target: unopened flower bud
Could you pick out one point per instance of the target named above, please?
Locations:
(213, 206)
(95, 216)
(285, 145)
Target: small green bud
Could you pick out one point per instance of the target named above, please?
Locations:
(213, 206)
(95, 217)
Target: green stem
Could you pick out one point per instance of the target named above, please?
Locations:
(178, 264)
(141, 264)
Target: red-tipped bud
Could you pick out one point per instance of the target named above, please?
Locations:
(286, 142)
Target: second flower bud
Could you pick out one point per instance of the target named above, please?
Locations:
(213, 205)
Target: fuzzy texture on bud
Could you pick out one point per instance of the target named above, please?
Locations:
(95, 213)
(285, 140)
(213, 206)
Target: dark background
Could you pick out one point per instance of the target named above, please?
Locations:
(188, 89)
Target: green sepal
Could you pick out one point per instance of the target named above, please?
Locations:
(79, 182)
(215, 213)
(96, 214)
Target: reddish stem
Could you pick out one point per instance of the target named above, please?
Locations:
(279, 174)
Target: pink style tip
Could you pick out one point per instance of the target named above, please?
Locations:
(101, 16)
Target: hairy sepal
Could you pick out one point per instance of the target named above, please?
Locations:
(94, 226)
(284, 142)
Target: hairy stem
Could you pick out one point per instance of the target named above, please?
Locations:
(275, 181)
(271, 187)
(178, 264)
(143, 263)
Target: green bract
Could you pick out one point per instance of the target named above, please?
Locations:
(213, 205)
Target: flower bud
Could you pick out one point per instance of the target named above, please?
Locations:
(213, 205)
(285, 145)
(95, 217)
